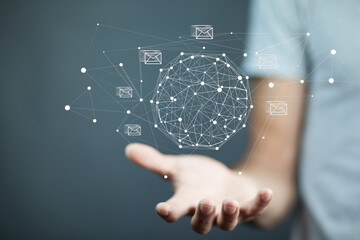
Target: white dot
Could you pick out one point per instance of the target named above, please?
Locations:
(187, 69)
(271, 84)
(139, 48)
(247, 77)
(97, 24)
(307, 34)
(155, 126)
(192, 57)
(160, 69)
(333, 51)
(94, 120)
(302, 81)
(182, 53)
(128, 111)
(117, 130)
(214, 122)
(83, 70)
(203, 47)
(141, 81)
(185, 131)
(223, 55)
(180, 146)
(141, 99)
(245, 54)
(165, 176)
(202, 55)
(151, 101)
(202, 83)
(67, 107)
(263, 137)
(219, 90)
(331, 80)
(195, 93)
(89, 88)
(180, 61)
(239, 77)
(256, 53)
(227, 65)
(251, 106)
(171, 67)
(240, 173)
(244, 125)
(231, 32)
(217, 148)
(121, 64)
(217, 59)
(179, 119)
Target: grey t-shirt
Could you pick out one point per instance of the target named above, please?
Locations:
(329, 168)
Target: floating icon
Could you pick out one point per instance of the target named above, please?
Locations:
(277, 107)
(124, 92)
(151, 57)
(132, 129)
(202, 31)
(267, 61)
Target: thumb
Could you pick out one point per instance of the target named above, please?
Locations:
(150, 158)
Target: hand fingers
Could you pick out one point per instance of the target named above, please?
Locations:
(176, 207)
(228, 218)
(257, 205)
(150, 158)
(204, 216)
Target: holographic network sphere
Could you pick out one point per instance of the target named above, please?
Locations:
(201, 101)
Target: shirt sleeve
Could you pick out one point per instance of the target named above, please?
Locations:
(276, 39)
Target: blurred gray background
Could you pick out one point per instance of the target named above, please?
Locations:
(61, 176)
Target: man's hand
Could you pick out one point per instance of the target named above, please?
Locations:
(203, 188)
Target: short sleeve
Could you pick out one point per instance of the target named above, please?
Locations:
(275, 39)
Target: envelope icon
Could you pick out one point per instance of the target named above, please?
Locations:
(267, 61)
(132, 130)
(278, 108)
(124, 92)
(151, 57)
(204, 31)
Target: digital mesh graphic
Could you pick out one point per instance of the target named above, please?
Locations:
(201, 101)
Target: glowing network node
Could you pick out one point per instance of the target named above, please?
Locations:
(302, 81)
(165, 176)
(271, 84)
(308, 34)
(141, 99)
(88, 88)
(67, 107)
(245, 54)
(333, 51)
(331, 80)
(94, 120)
(199, 116)
(83, 70)
(240, 173)
(128, 111)
(121, 64)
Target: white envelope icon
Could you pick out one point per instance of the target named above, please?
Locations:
(267, 61)
(278, 108)
(124, 92)
(151, 57)
(133, 129)
(204, 32)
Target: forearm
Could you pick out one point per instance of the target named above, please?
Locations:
(273, 146)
